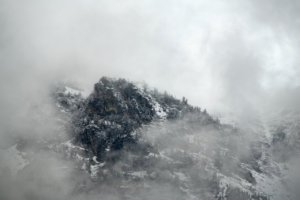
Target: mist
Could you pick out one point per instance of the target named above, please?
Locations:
(237, 59)
(209, 52)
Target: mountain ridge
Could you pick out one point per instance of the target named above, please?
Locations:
(124, 141)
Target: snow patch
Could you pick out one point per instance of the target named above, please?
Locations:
(72, 146)
(139, 174)
(159, 110)
(71, 91)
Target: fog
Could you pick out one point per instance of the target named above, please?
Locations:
(237, 59)
(217, 54)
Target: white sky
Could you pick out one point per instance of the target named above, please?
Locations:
(221, 55)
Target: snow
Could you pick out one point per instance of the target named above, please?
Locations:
(157, 107)
(72, 146)
(71, 91)
(139, 174)
(95, 159)
(234, 182)
(95, 168)
(159, 111)
(270, 184)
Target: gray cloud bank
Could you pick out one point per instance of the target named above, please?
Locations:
(218, 54)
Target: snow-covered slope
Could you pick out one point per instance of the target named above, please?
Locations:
(142, 144)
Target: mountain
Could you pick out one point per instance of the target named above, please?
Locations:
(126, 141)
(108, 120)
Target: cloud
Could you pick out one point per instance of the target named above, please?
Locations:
(159, 42)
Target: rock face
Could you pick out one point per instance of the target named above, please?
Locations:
(109, 117)
(107, 121)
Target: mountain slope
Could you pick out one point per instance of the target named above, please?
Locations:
(124, 141)
(152, 137)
